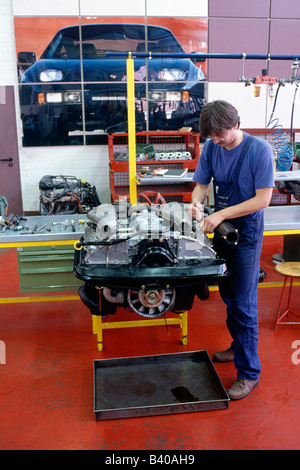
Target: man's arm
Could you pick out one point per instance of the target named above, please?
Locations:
(261, 200)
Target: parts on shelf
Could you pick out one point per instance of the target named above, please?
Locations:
(165, 155)
(174, 155)
(121, 156)
(290, 187)
(176, 149)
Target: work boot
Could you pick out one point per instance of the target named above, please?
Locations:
(241, 388)
(224, 356)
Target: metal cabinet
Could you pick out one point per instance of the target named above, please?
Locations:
(46, 268)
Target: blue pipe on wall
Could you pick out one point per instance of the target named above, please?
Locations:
(203, 56)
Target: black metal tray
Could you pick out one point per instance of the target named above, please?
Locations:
(157, 385)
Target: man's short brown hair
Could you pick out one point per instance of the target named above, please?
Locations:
(217, 116)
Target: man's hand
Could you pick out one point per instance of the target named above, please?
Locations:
(210, 222)
(195, 210)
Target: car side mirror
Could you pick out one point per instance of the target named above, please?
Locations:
(26, 58)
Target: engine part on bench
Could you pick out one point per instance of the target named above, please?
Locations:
(148, 259)
(66, 195)
(3, 206)
(290, 187)
(173, 155)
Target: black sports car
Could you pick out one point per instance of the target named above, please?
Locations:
(75, 88)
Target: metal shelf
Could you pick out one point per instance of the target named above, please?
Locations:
(162, 141)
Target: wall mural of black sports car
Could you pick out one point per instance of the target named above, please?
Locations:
(75, 89)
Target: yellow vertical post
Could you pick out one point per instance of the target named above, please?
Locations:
(184, 317)
(131, 129)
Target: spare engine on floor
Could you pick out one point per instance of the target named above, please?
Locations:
(147, 259)
(66, 195)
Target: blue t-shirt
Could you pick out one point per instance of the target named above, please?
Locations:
(257, 170)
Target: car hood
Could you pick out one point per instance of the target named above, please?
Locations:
(108, 69)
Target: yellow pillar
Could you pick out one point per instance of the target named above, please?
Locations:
(131, 130)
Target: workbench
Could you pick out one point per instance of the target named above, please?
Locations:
(287, 175)
(60, 232)
(44, 245)
(280, 220)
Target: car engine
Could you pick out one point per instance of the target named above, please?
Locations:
(149, 259)
(66, 195)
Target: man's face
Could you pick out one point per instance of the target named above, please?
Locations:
(227, 138)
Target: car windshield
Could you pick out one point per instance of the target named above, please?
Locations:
(98, 39)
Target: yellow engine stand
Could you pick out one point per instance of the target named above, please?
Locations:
(99, 325)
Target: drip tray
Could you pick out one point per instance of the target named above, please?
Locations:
(156, 385)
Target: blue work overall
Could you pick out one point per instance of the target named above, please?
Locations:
(239, 289)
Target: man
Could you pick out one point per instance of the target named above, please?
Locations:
(242, 169)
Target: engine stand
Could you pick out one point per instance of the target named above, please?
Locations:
(99, 325)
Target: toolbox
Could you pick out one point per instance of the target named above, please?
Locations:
(156, 385)
(46, 268)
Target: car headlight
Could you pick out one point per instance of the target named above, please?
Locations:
(172, 74)
(51, 75)
(156, 96)
(173, 96)
(73, 97)
(53, 97)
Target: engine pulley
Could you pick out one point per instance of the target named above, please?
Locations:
(151, 302)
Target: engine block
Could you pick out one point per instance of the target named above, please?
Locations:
(150, 259)
(66, 195)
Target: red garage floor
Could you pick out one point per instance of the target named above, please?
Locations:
(46, 384)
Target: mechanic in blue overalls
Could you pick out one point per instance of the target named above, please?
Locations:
(242, 170)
